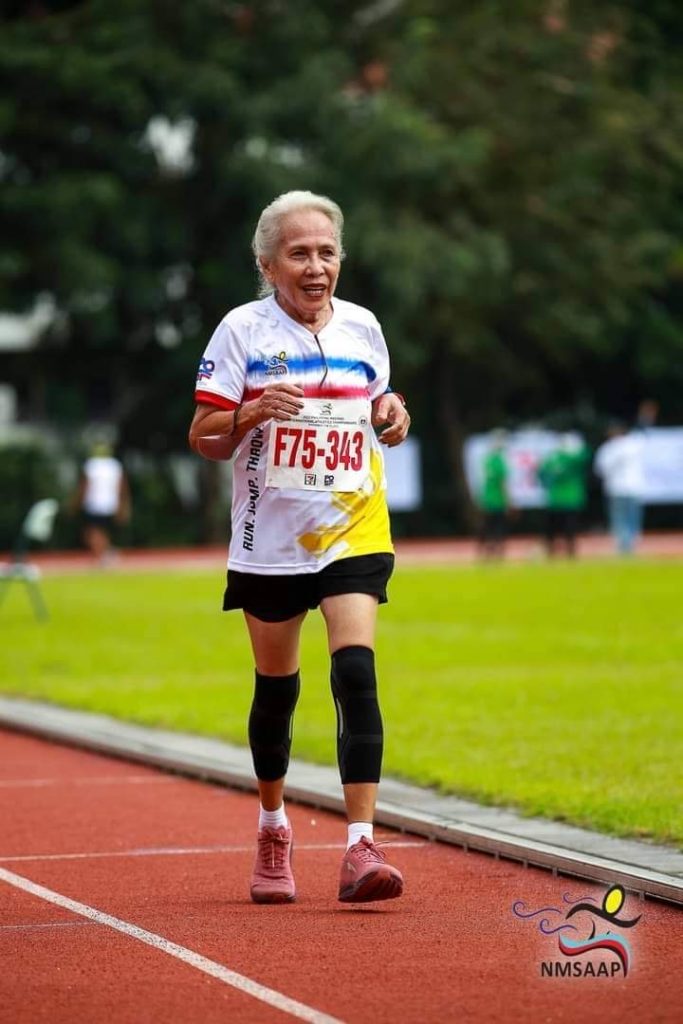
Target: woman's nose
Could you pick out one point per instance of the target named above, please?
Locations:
(314, 265)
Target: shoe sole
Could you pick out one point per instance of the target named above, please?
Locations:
(273, 897)
(381, 884)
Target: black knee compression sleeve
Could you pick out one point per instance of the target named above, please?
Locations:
(270, 724)
(360, 737)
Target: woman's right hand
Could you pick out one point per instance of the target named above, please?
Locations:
(279, 402)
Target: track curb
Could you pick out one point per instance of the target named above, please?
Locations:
(647, 869)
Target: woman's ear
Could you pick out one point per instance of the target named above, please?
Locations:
(267, 269)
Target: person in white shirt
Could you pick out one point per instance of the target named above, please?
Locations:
(293, 385)
(104, 501)
(619, 463)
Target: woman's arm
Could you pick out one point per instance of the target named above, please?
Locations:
(211, 432)
(216, 433)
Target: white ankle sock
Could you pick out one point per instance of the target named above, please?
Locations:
(273, 819)
(358, 829)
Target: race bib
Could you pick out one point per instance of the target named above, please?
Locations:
(325, 448)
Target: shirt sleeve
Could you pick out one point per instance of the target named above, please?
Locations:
(222, 369)
(380, 362)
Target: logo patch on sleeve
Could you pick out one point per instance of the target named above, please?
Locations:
(205, 371)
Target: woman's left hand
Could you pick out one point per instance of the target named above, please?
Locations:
(388, 411)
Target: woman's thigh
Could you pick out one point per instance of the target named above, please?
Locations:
(350, 620)
(275, 644)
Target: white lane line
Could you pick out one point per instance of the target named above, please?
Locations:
(102, 780)
(187, 956)
(181, 851)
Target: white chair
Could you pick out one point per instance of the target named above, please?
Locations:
(36, 528)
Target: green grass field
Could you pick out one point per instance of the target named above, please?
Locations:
(555, 689)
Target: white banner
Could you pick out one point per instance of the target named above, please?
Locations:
(663, 465)
(402, 466)
(525, 449)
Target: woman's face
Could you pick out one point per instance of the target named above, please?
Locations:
(305, 268)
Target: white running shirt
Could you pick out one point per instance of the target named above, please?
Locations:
(619, 462)
(278, 529)
(102, 493)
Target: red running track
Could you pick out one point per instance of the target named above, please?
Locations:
(149, 857)
(431, 551)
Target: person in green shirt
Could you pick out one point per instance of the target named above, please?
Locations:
(562, 474)
(493, 499)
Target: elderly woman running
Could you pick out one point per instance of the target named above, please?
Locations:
(292, 384)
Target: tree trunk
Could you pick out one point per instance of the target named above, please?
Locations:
(454, 435)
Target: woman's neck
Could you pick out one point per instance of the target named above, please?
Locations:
(313, 322)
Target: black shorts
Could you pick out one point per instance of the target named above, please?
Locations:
(95, 519)
(278, 598)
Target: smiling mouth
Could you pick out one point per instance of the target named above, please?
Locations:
(315, 291)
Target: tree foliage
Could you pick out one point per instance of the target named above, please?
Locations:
(510, 175)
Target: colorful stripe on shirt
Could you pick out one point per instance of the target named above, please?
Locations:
(310, 364)
(314, 391)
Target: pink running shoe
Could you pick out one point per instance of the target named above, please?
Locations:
(273, 881)
(366, 876)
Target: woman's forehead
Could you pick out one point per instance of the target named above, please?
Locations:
(307, 227)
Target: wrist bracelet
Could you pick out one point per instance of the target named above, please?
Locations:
(390, 391)
(234, 418)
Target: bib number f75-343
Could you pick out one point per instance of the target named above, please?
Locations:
(326, 447)
(339, 448)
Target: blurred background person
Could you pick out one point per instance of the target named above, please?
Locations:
(562, 474)
(648, 412)
(103, 500)
(493, 499)
(619, 464)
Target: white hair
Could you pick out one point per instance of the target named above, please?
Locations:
(267, 235)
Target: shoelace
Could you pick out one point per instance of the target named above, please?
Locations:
(273, 849)
(369, 851)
